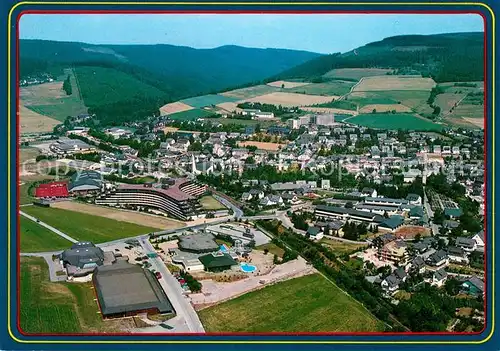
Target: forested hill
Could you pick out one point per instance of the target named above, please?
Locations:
(444, 57)
(180, 71)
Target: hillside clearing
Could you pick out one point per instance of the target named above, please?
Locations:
(207, 100)
(174, 107)
(291, 99)
(394, 83)
(250, 92)
(33, 122)
(355, 73)
(190, 115)
(331, 88)
(306, 304)
(286, 84)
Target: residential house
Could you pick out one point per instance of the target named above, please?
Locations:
(439, 278)
(438, 258)
(315, 233)
(479, 239)
(468, 244)
(457, 255)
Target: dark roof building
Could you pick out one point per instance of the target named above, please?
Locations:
(84, 257)
(85, 181)
(198, 243)
(125, 289)
(217, 262)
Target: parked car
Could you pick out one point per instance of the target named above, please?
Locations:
(158, 275)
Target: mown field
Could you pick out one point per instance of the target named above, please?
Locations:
(207, 100)
(340, 247)
(404, 121)
(328, 88)
(85, 227)
(306, 304)
(355, 73)
(414, 99)
(35, 238)
(56, 307)
(190, 115)
(395, 83)
(50, 100)
(210, 203)
(250, 92)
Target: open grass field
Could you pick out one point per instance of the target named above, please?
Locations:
(416, 100)
(334, 87)
(24, 194)
(306, 304)
(229, 106)
(120, 215)
(243, 122)
(448, 101)
(33, 122)
(329, 110)
(385, 108)
(341, 247)
(27, 153)
(210, 203)
(207, 100)
(273, 249)
(35, 238)
(250, 92)
(50, 100)
(174, 107)
(382, 83)
(190, 115)
(57, 307)
(355, 73)
(77, 225)
(262, 145)
(286, 84)
(394, 121)
(291, 99)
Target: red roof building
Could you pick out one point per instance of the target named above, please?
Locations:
(53, 189)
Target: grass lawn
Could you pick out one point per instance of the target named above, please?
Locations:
(190, 115)
(273, 249)
(207, 100)
(24, 194)
(210, 203)
(328, 88)
(56, 307)
(85, 227)
(394, 121)
(306, 304)
(341, 247)
(35, 238)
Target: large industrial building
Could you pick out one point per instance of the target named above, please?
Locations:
(178, 199)
(85, 182)
(125, 289)
(198, 243)
(83, 258)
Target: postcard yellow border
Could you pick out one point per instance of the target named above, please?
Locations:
(9, 254)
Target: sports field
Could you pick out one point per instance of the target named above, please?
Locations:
(56, 307)
(306, 304)
(207, 100)
(210, 203)
(355, 73)
(395, 83)
(335, 87)
(35, 238)
(190, 115)
(85, 227)
(405, 121)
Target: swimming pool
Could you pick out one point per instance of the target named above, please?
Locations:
(248, 268)
(223, 248)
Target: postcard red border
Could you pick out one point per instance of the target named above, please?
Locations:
(222, 12)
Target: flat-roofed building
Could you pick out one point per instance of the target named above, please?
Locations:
(125, 289)
(198, 243)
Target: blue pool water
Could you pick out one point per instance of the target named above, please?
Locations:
(223, 248)
(248, 268)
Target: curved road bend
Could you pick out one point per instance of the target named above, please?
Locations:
(174, 291)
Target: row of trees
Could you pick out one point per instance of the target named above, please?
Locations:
(67, 86)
